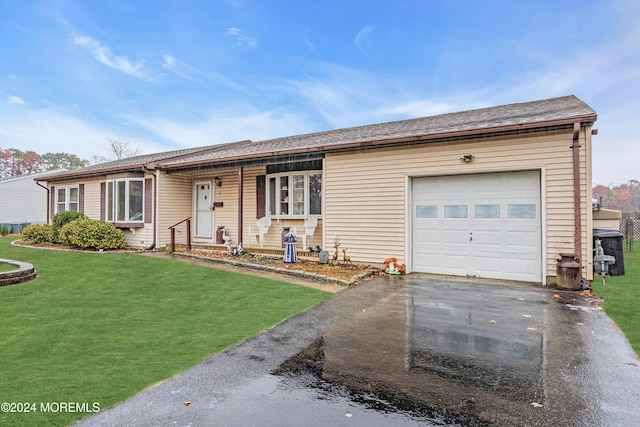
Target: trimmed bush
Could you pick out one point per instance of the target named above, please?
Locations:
(86, 233)
(37, 233)
(4, 230)
(60, 219)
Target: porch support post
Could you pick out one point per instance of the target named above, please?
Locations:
(240, 197)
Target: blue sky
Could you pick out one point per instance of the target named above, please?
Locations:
(163, 75)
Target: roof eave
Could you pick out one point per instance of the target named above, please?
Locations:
(97, 172)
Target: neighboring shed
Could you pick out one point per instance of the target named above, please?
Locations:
(23, 201)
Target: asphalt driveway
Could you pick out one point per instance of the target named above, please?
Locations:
(411, 351)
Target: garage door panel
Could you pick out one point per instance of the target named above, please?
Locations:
(486, 225)
(487, 266)
(523, 240)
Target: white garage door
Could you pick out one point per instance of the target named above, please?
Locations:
(483, 225)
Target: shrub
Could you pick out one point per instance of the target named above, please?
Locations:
(37, 233)
(4, 230)
(85, 233)
(60, 219)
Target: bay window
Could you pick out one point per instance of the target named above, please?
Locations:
(125, 200)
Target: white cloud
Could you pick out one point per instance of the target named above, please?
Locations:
(103, 54)
(233, 124)
(15, 100)
(170, 63)
(187, 72)
(362, 39)
(418, 108)
(241, 39)
(50, 132)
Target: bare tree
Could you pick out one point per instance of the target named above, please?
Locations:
(120, 149)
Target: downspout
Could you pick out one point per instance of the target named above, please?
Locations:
(48, 202)
(155, 204)
(577, 206)
(240, 210)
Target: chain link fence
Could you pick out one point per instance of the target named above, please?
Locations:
(630, 228)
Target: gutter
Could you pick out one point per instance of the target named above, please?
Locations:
(155, 205)
(577, 207)
(48, 196)
(96, 172)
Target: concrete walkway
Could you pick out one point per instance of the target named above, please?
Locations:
(405, 351)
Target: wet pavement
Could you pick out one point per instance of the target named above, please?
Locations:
(406, 352)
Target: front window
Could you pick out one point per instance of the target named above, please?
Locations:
(125, 200)
(296, 194)
(67, 199)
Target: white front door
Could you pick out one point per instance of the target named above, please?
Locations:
(483, 225)
(203, 210)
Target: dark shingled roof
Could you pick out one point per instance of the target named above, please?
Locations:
(513, 117)
(556, 111)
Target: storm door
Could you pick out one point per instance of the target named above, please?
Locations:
(203, 210)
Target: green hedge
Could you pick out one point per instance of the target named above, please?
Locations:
(37, 233)
(60, 219)
(85, 233)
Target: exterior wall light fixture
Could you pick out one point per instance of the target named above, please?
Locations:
(217, 182)
(468, 158)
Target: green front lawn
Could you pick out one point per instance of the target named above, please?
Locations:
(622, 297)
(7, 267)
(100, 327)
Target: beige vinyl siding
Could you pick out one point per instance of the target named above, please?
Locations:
(174, 204)
(366, 192)
(91, 194)
(227, 194)
(141, 237)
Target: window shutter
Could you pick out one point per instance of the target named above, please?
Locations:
(261, 196)
(81, 198)
(103, 199)
(148, 201)
(52, 201)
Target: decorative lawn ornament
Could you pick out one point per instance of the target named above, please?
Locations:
(393, 266)
(336, 244)
(290, 248)
(345, 259)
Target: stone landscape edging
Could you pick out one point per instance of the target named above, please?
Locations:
(280, 270)
(24, 273)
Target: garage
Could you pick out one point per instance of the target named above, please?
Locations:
(478, 225)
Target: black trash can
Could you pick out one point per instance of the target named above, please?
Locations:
(612, 245)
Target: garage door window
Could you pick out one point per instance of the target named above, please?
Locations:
(486, 211)
(456, 212)
(521, 211)
(429, 211)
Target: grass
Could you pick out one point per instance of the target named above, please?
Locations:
(622, 297)
(7, 267)
(100, 327)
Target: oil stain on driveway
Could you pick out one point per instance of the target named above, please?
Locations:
(409, 352)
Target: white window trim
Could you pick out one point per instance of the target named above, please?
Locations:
(114, 208)
(67, 196)
(290, 176)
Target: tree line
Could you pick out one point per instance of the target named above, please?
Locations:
(15, 162)
(623, 197)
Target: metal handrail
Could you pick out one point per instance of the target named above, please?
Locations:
(173, 234)
(186, 219)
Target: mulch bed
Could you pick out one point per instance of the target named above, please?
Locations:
(342, 272)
